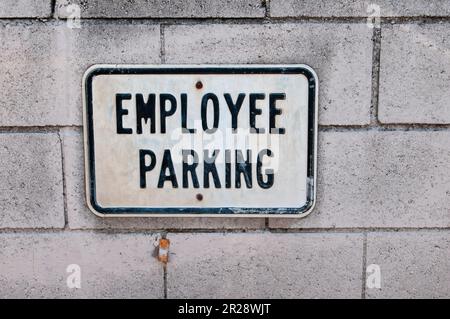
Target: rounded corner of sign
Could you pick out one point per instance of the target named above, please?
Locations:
(91, 70)
(310, 70)
(309, 209)
(304, 211)
(94, 208)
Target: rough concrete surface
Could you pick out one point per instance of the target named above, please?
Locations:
(412, 264)
(360, 8)
(160, 9)
(264, 265)
(25, 8)
(110, 266)
(31, 187)
(415, 72)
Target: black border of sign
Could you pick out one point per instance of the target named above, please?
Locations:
(199, 211)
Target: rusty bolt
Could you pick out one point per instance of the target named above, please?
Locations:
(163, 252)
(199, 197)
(199, 85)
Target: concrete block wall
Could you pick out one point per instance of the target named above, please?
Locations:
(384, 151)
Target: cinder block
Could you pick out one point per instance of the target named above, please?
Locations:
(415, 73)
(412, 264)
(80, 217)
(380, 179)
(162, 9)
(362, 8)
(43, 64)
(25, 8)
(35, 265)
(265, 265)
(340, 53)
(31, 187)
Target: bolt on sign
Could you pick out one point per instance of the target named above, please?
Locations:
(192, 140)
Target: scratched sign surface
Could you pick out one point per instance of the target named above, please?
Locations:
(200, 140)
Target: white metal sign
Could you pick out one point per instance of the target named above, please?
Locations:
(200, 140)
